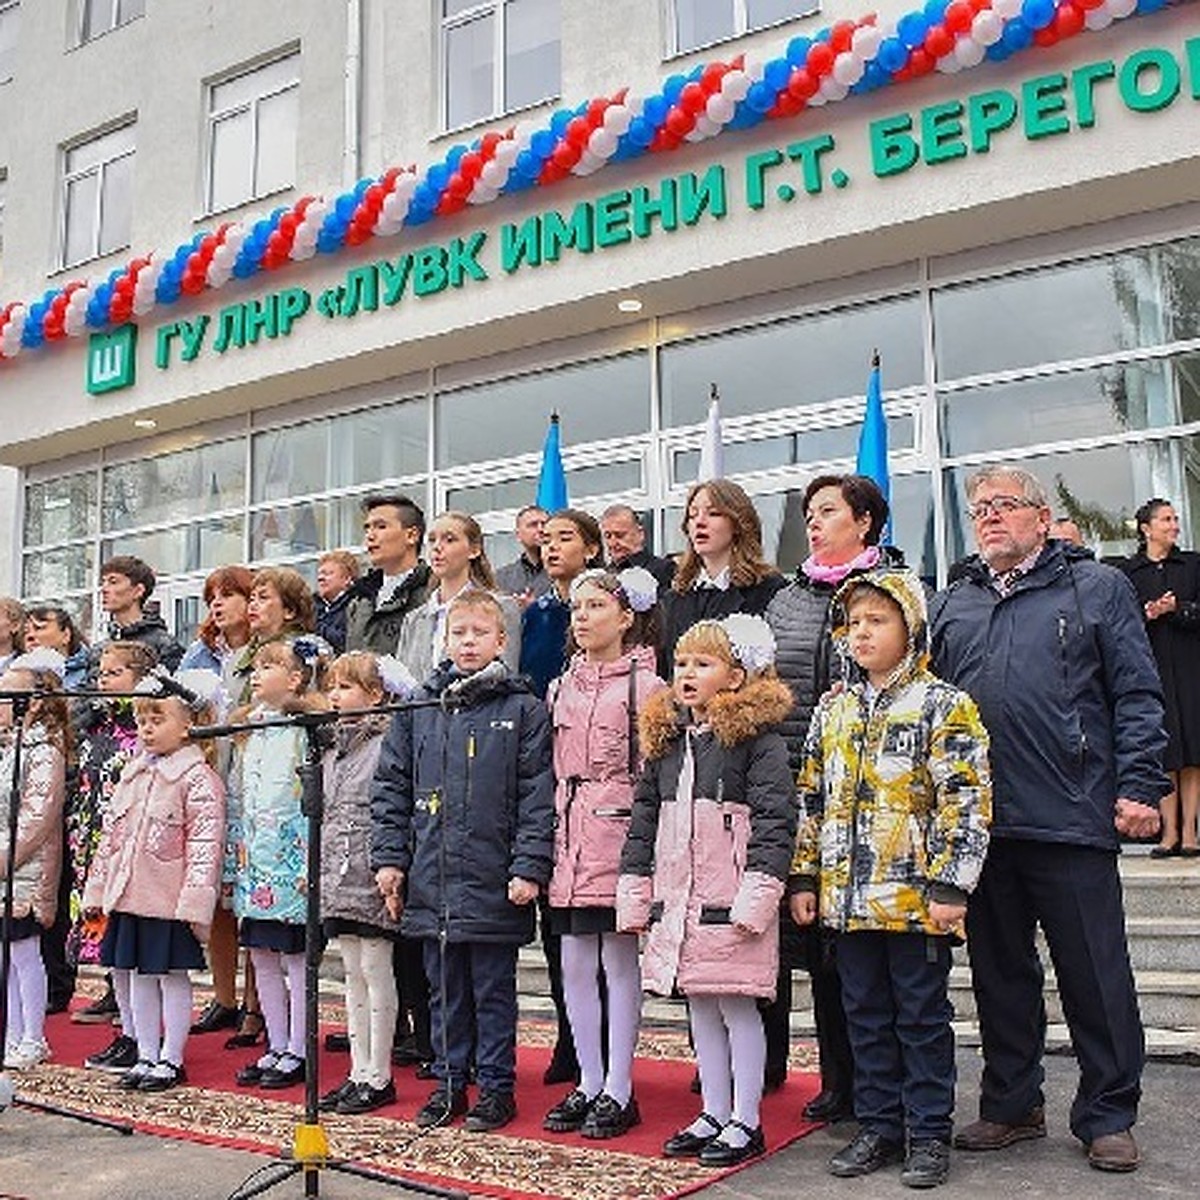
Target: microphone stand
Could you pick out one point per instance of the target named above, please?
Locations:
(20, 707)
(310, 1146)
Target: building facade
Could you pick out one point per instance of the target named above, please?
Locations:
(215, 337)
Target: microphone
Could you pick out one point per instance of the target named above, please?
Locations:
(462, 690)
(165, 684)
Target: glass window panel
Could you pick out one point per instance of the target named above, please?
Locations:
(801, 362)
(232, 169)
(53, 572)
(469, 71)
(276, 166)
(380, 443)
(760, 13)
(240, 90)
(1121, 302)
(699, 22)
(61, 510)
(81, 219)
(532, 68)
(1107, 400)
(603, 399)
(174, 486)
(284, 457)
(1100, 489)
(452, 8)
(582, 482)
(812, 446)
(116, 205)
(97, 18)
(284, 531)
(10, 19)
(196, 547)
(100, 149)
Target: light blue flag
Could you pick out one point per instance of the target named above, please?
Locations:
(552, 482)
(873, 442)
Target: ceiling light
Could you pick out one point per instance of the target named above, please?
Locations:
(631, 305)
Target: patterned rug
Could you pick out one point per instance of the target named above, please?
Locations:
(519, 1162)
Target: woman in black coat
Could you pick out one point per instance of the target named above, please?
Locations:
(1167, 580)
(722, 571)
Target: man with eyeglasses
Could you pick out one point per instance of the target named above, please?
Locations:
(1052, 647)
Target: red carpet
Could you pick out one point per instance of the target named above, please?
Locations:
(520, 1161)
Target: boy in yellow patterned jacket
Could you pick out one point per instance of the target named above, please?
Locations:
(895, 802)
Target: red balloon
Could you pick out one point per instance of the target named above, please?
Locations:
(278, 242)
(977, 6)
(680, 123)
(801, 84)
(191, 283)
(958, 16)
(841, 36)
(488, 144)
(693, 98)
(565, 156)
(1046, 37)
(552, 172)
(939, 41)
(451, 204)
(458, 187)
(596, 109)
(664, 139)
(787, 106)
(1088, 5)
(1068, 21)
(820, 59)
(470, 165)
(711, 76)
(578, 132)
(287, 224)
(921, 62)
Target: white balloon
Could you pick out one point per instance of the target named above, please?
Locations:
(735, 85)
(1098, 18)
(617, 118)
(235, 235)
(216, 277)
(300, 253)
(949, 65)
(406, 184)
(968, 52)
(635, 104)
(493, 174)
(704, 128)
(1120, 9)
(482, 194)
(1006, 9)
(755, 65)
(144, 304)
(602, 143)
(719, 108)
(832, 90)
(866, 40)
(987, 27)
(847, 68)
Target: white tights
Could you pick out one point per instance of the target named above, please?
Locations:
(122, 983)
(731, 1052)
(371, 1004)
(281, 992)
(584, 956)
(162, 1013)
(27, 992)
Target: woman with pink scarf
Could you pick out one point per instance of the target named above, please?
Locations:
(845, 516)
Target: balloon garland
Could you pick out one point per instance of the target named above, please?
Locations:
(848, 58)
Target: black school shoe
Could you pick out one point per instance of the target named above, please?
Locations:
(161, 1077)
(686, 1144)
(866, 1153)
(215, 1017)
(286, 1073)
(441, 1108)
(331, 1099)
(493, 1110)
(608, 1119)
(365, 1098)
(719, 1153)
(119, 1055)
(569, 1113)
(927, 1164)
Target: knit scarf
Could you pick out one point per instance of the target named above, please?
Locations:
(834, 573)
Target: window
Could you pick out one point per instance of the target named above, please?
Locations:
(3, 190)
(252, 134)
(10, 19)
(497, 56)
(703, 22)
(97, 195)
(100, 16)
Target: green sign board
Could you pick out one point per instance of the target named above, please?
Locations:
(111, 360)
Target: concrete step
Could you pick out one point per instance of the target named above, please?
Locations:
(1164, 943)
(1160, 887)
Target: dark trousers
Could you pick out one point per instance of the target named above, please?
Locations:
(1074, 893)
(898, 1017)
(60, 971)
(473, 1008)
(412, 994)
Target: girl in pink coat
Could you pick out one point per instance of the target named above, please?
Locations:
(157, 873)
(594, 708)
(704, 865)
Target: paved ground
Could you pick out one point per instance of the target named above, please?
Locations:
(47, 1157)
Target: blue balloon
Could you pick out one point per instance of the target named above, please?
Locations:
(744, 117)
(438, 176)
(344, 206)
(876, 76)
(935, 11)
(1149, 6)
(32, 337)
(760, 97)
(527, 165)
(454, 156)
(912, 29)
(892, 54)
(797, 51)
(1037, 14)
(1017, 35)
(997, 51)
(542, 143)
(777, 73)
(673, 87)
(641, 132)
(560, 121)
(655, 109)
(825, 34)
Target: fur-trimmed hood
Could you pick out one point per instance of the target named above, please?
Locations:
(734, 717)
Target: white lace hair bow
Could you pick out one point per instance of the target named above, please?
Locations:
(638, 586)
(398, 680)
(751, 640)
(40, 658)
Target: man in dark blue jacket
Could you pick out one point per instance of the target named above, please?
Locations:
(1053, 649)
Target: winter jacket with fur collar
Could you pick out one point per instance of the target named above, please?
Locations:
(703, 867)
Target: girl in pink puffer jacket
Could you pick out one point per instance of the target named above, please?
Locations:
(594, 708)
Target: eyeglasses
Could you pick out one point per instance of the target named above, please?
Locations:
(1001, 506)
